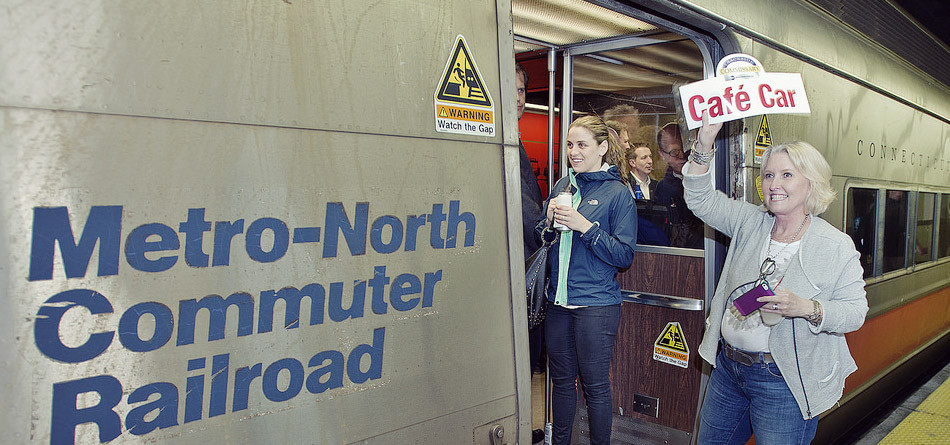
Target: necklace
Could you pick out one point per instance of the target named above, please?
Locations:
(787, 241)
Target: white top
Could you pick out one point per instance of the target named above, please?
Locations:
(644, 186)
(749, 333)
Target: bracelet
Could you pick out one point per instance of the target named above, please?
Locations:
(701, 158)
(815, 317)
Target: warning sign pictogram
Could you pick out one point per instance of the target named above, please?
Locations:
(763, 140)
(461, 82)
(672, 338)
(670, 347)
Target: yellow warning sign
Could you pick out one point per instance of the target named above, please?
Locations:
(461, 83)
(672, 354)
(467, 114)
(670, 347)
(462, 103)
(763, 140)
(672, 337)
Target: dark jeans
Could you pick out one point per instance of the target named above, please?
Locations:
(581, 342)
(745, 399)
(536, 347)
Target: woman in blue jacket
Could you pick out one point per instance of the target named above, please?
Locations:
(583, 311)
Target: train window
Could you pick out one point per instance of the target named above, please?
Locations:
(895, 230)
(925, 227)
(943, 229)
(861, 220)
(627, 82)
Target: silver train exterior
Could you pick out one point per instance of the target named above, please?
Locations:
(236, 222)
(179, 175)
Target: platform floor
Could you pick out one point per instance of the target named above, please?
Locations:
(921, 418)
(537, 401)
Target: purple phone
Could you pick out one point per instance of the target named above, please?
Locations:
(747, 303)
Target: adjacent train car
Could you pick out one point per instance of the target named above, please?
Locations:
(880, 109)
(291, 222)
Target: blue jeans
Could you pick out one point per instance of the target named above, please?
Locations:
(581, 341)
(741, 400)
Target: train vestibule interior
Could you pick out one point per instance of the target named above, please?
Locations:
(583, 59)
(605, 63)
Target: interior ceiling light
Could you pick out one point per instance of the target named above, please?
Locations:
(604, 59)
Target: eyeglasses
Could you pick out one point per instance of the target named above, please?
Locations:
(766, 269)
(676, 153)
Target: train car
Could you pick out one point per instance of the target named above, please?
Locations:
(180, 176)
(247, 222)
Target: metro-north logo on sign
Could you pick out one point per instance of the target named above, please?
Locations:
(743, 90)
(462, 103)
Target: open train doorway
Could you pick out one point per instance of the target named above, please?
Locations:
(623, 64)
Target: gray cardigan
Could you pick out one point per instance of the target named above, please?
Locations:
(827, 269)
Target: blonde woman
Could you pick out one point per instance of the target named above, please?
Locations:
(791, 288)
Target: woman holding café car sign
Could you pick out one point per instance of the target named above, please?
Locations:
(790, 288)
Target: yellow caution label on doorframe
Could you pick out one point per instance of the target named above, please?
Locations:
(461, 83)
(463, 104)
(763, 139)
(670, 347)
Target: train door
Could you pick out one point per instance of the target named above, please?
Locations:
(656, 372)
(624, 65)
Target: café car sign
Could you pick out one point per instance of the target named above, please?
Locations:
(741, 89)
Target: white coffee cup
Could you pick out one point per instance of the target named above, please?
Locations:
(563, 199)
(770, 319)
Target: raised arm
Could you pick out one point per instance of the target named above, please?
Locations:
(703, 149)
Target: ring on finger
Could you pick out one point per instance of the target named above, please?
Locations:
(774, 306)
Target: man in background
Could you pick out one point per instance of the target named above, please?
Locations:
(640, 159)
(683, 228)
(530, 211)
(530, 214)
(530, 191)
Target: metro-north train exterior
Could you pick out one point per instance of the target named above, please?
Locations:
(249, 222)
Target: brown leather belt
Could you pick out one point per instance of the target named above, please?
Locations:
(746, 358)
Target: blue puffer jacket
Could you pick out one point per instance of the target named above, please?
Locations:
(597, 255)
